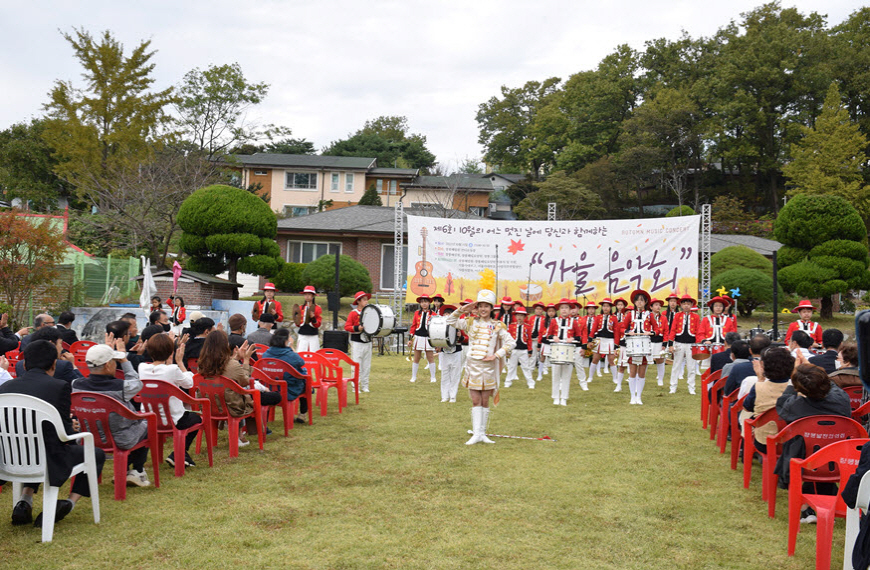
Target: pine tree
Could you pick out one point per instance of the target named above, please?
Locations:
(371, 198)
(829, 159)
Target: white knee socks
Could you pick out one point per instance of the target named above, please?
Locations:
(631, 382)
(660, 373)
(432, 371)
(638, 388)
(414, 367)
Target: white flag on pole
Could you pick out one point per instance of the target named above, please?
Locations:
(149, 289)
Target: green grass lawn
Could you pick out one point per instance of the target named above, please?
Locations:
(390, 484)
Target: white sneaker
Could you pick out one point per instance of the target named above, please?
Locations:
(433, 379)
(584, 387)
(673, 391)
(632, 402)
(563, 402)
(452, 400)
(532, 386)
(507, 384)
(555, 401)
(638, 402)
(365, 390)
(661, 383)
(600, 374)
(618, 388)
(413, 379)
(692, 391)
(243, 442)
(137, 478)
(443, 400)
(546, 370)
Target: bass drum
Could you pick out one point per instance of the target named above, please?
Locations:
(441, 335)
(377, 320)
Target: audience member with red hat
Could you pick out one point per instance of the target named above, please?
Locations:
(607, 332)
(537, 326)
(805, 309)
(268, 304)
(360, 346)
(521, 356)
(451, 363)
(311, 317)
(683, 334)
(419, 342)
(562, 331)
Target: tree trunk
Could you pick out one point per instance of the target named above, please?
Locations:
(827, 309)
(231, 269)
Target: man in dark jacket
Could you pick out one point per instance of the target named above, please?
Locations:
(40, 357)
(65, 368)
(8, 339)
(832, 339)
(740, 371)
(64, 325)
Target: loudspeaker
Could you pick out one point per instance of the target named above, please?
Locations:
(336, 339)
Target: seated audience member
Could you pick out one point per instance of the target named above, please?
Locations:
(40, 321)
(135, 351)
(720, 359)
(194, 316)
(218, 359)
(238, 324)
(739, 354)
(831, 341)
(160, 318)
(263, 334)
(280, 348)
(64, 325)
(162, 349)
(773, 370)
(739, 372)
(199, 330)
(847, 374)
(39, 360)
(65, 368)
(102, 361)
(9, 340)
(811, 394)
(133, 330)
(4, 370)
(800, 343)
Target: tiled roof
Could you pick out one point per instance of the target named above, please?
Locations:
(459, 181)
(718, 242)
(301, 161)
(403, 172)
(365, 219)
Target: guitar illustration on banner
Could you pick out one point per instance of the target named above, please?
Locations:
(422, 283)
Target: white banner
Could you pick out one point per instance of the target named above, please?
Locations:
(547, 261)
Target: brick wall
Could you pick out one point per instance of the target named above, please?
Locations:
(199, 294)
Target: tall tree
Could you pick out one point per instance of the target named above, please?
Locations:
(830, 158)
(289, 146)
(387, 139)
(212, 106)
(851, 65)
(506, 127)
(574, 201)
(27, 166)
(113, 123)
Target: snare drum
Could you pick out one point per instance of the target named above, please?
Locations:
(377, 320)
(717, 348)
(700, 351)
(754, 332)
(441, 335)
(562, 353)
(638, 345)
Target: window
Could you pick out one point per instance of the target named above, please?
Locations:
(296, 211)
(393, 186)
(380, 185)
(335, 182)
(348, 182)
(308, 251)
(477, 211)
(388, 267)
(260, 172)
(301, 181)
(492, 208)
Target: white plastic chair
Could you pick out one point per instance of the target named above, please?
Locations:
(23, 457)
(852, 520)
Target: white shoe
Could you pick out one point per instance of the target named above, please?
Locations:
(638, 402)
(618, 388)
(673, 391)
(138, 478)
(555, 401)
(532, 386)
(507, 384)
(632, 402)
(599, 374)
(427, 367)
(443, 400)
(661, 383)
(413, 379)
(563, 402)
(546, 371)
(475, 426)
(692, 391)
(584, 387)
(365, 390)
(433, 380)
(484, 423)
(452, 400)
(680, 378)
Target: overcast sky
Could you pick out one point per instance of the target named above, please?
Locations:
(334, 64)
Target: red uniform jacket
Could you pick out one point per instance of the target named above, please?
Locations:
(677, 325)
(568, 330)
(649, 324)
(178, 313)
(706, 330)
(660, 321)
(611, 323)
(279, 313)
(811, 328)
(420, 317)
(527, 332)
(587, 325)
(538, 322)
(352, 324)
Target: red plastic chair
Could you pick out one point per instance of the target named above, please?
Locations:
(154, 397)
(714, 406)
(725, 420)
(328, 375)
(13, 356)
(749, 449)
(92, 410)
(836, 460)
(275, 369)
(862, 411)
(260, 349)
(856, 396)
(285, 405)
(817, 431)
(193, 365)
(213, 390)
(706, 380)
(79, 349)
(64, 345)
(736, 434)
(338, 358)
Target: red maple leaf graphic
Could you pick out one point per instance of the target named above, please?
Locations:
(516, 246)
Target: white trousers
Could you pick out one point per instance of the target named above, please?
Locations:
(561, 374)
(361, 353)
(580, 365)
(309, 342)
(451, 370)
(683, 357)
(522, 359)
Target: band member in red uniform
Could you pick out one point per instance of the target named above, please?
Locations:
(437, 307)
(544, 340)
(682, 336)
(506, 312)
(638, 322)
(451, 363)
(562, 331)
(536, 325)
(419, 342)
(805, 310)
(622, 360)
(662, 327)
(521, 331)
(607, 332)
(268, 304)
(587, 324)
(730, 310)
(311, 317)
(360, 350)
(179, 313)
(714, 326)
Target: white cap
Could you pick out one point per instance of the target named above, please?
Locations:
(486, 296)
(100, 354)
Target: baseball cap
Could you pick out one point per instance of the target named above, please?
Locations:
(195, 316)
(100, 354)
